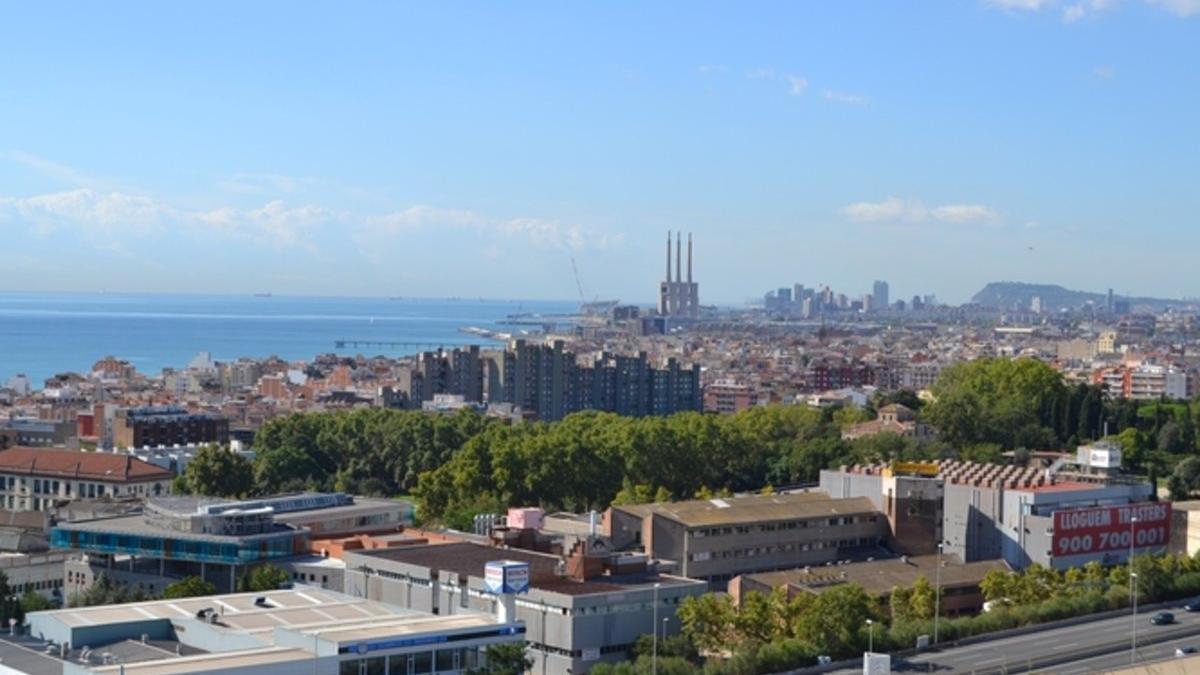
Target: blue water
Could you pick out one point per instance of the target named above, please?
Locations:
(44, 333)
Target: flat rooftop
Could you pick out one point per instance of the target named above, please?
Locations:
(879, 577)
(215, 662)
(297, 606)
(136, 525)
(754, 509)
(468, 560)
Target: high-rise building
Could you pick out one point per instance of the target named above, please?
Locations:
(548, 383)
(880, 295)
(679, 298)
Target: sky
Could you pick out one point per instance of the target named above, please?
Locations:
(484, 149)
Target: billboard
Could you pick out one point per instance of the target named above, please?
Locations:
(505, 576)
(1108, 528)
(929, 469)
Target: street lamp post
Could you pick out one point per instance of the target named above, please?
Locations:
(654, 629)
(870, 636)
(937, 593)
(1133, 577)
(1132, 592)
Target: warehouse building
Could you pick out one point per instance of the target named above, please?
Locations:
(278, 632)
(715, 540)
(1073, 511)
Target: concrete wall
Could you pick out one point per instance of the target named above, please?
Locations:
(844, 485)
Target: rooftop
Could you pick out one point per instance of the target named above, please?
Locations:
(753, 508)
(467, 560)
(77, 464)
(878, 577)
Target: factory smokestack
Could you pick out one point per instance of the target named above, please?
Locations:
(689, 257)
(668, 277)
(678, 257)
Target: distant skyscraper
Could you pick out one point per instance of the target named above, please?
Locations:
(1110, 306)
(1035, 304)
(679, 298)
(880, 295)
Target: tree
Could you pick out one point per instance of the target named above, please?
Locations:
(506, 659)
(188, 588)
(218, 472)
(922, 600)
(707, 620)
(264, 578)
(1170, 439)
(900, 604)
(33, 601)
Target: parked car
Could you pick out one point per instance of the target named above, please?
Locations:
(1184, 651)
(1193, 605)
(1163, 619)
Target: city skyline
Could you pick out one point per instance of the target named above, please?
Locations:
(481, 151)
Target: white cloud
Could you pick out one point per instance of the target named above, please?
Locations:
(912, 211)
(1073, 13)
(796, 85)
(1183, 8)
(1025, 5)
(890, 209)
(844, 97)
(760, 74)
(83, 207)
(1105, 72)
(963, 213)
(712, 69)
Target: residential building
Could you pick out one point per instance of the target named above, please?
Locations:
(729, 396)
(1144, 382)
(167, 425)
(38, 432)
(37, 479)
(880, 295)
(715, 540)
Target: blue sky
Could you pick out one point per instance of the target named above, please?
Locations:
(474, 149)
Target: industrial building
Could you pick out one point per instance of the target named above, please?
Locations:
(277, 632)
(1074, 510)
(679, 298)
(215, 539)
(588, 607)
(715, 540)
(958, 581)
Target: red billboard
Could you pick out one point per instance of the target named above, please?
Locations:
(1108, 528)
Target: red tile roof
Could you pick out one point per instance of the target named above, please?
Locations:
(99, 466)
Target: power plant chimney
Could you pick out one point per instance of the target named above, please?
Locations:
(678, 257)
(668, 255)
(689, 257)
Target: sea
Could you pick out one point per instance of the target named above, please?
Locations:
(42, 334)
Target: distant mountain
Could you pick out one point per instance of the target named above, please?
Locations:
(1009, 294)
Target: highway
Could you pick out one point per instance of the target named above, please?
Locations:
(1082, 648)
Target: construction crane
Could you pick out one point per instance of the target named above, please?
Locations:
(578, 283)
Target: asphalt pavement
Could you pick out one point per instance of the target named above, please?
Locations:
(1083, 648)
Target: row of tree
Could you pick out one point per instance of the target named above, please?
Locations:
(772, 632)
(463, 464)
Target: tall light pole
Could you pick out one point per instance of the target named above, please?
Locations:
(870, 636)
(1133, 635)
(937, 593)
(654, 629)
